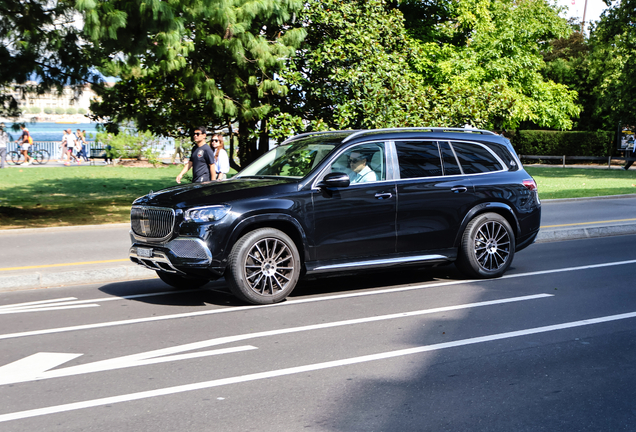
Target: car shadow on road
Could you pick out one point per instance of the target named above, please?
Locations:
(374, 279)
(154, 291)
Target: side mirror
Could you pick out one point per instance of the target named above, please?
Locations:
(334, 180)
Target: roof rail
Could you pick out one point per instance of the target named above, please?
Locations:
(295, 137)
(420, 129)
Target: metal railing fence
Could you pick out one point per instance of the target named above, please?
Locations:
(53, 147)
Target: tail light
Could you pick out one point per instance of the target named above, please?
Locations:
(530, 184)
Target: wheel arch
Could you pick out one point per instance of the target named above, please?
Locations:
(279, 221)
(501, 209)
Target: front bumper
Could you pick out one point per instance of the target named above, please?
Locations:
(176, 256)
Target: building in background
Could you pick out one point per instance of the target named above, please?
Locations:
(53, 105)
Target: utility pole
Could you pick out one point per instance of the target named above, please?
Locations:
(583, 22)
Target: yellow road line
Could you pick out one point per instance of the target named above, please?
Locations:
(63, 265)
(126, 259)
(588, 223)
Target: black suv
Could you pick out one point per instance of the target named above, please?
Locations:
(342, 202)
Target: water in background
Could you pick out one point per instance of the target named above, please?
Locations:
(45, 131)
(50, 131)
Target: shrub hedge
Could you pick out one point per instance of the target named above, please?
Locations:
(558, 143)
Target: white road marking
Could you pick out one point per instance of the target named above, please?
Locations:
(45, 309)
(138, 359)
(36, 367)
(302, 369)
(36, 303)
(73, 303)
(301, 301)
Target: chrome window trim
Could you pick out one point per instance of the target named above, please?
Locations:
(501, 164)
(418, 129)
(323, 173)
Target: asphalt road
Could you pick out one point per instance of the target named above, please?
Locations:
(107, 245)
(549, 346)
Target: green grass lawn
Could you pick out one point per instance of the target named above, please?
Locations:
(556, 182)
(40, 197)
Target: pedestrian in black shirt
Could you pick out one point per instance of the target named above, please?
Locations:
(201, 161)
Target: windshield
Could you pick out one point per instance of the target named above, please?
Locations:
(294, 160)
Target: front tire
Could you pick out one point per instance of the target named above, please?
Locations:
(487, 247)
(42, 156)
(181, 282)
(264, 267)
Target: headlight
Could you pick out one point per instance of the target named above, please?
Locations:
(206, 214)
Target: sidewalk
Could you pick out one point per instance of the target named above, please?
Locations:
(43, 257)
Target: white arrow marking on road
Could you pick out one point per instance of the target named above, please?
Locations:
(157, 356)
(303, 369)
(33, 365)
(36, 367)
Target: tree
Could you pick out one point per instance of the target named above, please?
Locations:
(567, 62)
(352, 70)
(612, 65)
(40, 49)
(363, 64)
(192, 62)
(71, 110)
(495, 48)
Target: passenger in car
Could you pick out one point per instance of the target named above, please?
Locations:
(361, 171)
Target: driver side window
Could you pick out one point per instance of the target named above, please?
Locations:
(364, 163)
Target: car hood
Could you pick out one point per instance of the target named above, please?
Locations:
(208, 193)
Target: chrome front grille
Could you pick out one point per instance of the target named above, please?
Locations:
(152, 222)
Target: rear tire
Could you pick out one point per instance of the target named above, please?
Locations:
(264, 267)
(17, 158)
(487, 247)
(181, 282)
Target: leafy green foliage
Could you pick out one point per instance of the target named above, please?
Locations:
(140, 145)
(40, 42)
(612, 65)
(352, 70)
(556, 143)
(193, 63)
(370, 64)
(501, 54)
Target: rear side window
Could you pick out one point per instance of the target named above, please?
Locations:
(475, 159)
(418, 159)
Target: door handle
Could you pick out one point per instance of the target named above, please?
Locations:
(382, 196)
(459, 189)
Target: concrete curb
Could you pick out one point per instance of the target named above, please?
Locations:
(48, 280)
(584, 233)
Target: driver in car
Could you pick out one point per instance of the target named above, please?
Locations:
(361, 171)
